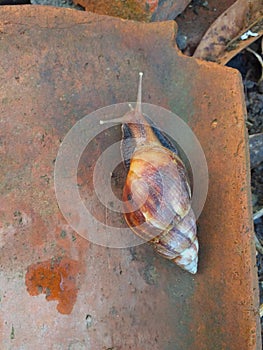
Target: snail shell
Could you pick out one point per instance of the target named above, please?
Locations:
(157, 194)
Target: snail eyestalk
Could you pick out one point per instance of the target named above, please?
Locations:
(138, 108)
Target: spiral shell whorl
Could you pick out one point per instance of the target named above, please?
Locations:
(180, 244)
(165, 219)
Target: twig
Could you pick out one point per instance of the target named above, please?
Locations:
(260, 61)
(258, 214)
(258, 245)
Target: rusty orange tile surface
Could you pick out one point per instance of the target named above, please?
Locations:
(56, 279)
(59, 291)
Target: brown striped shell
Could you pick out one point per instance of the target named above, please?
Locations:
(165, 219)
(156, 193)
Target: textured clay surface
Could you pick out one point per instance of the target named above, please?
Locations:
(59, 291)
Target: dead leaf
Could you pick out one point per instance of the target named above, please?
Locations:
(197, 18)
(232, 23)
(237, 44)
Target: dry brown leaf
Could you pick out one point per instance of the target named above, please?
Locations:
(237, 44)
(236, 20)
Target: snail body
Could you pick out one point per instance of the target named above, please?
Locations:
(156, 193)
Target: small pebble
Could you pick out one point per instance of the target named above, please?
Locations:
(181, 41)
